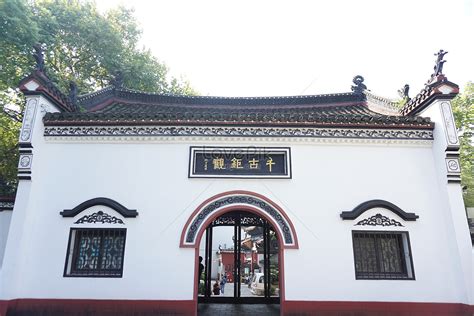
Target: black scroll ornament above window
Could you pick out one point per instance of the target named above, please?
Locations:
(100, 216)
(378, 219)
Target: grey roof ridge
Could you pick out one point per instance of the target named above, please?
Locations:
(101, 98)
(381, 105)
(94, 93)
(302, 96)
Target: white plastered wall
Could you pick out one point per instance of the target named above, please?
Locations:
(454, 210)
(20, 220)
(151, 177)
(5, 218)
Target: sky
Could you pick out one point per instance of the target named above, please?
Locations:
(275, 48)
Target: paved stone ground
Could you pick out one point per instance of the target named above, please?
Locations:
(238, 309)
(229, 290)
(244, 290)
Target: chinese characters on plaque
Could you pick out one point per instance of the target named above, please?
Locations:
(239, 162)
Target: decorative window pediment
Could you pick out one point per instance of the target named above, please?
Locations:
(119, 208)
(97, 251)
(361, 208)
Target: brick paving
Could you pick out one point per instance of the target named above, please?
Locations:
(238, 309)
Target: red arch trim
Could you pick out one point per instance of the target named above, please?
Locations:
(253, 209)
(222, 211)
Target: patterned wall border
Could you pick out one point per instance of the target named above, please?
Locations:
(240, 200)
(6, 206)
(92, 132)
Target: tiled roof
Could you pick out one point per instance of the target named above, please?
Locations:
(438, 87)
(49, 89)
(125, 107)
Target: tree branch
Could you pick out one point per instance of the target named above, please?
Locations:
(14, 115)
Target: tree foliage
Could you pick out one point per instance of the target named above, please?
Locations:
(81, 45)
(8, 154)
(463, 110)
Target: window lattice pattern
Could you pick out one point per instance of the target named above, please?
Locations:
(380, 255)
(97, 252)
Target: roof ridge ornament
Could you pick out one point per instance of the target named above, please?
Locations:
(437, 74)
(43, 83)
(359, 86)
(73, 93)
(117, 79)
(403, 92)
(438, 68)
(39, 57)
(437, 87)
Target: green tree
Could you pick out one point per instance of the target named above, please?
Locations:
(81, 45)
(8, 155)
(463, 110)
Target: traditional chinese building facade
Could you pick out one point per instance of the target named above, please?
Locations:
(357, 204)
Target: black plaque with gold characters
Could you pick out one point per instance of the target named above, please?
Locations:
(240, 162)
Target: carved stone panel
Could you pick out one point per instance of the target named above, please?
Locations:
(25, 161)
(452, 165)
(28, 121)
(448, 120)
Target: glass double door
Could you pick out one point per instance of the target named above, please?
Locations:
(241, 263)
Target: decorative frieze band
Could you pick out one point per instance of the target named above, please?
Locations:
(6, 205)
(177, 131)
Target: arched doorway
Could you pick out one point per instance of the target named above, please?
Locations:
(241, 259)
(243, 203)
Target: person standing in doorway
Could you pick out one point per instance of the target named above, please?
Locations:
(201, 269)
(223, 282)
